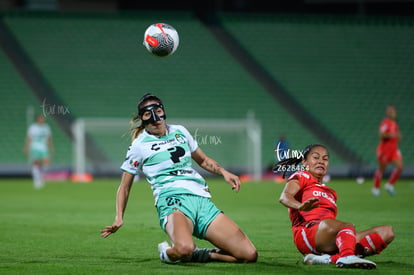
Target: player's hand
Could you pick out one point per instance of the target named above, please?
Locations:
(111, 229)
(232, 179)
(309, 204)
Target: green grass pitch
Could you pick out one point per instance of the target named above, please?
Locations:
(56, 230)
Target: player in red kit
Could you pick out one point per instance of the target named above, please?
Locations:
(317, 234)
(388, 152)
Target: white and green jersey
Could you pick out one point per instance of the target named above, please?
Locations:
(166, 162)
(39, 135)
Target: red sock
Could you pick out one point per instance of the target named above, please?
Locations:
(372, 244)
(377, 178)
(334, 258)
(395, 176)
(345, 241)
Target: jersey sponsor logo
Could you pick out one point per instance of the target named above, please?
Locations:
(176, 153)
(182, 172)
(166, 141)
(317, 193)
(155, 147)
(177, 138)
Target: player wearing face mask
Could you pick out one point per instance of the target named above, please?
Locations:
(164, 153)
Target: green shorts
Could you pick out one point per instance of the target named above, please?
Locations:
(200, 210)
(38, 154)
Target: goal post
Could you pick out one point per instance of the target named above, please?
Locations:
(110, 135)
(235, 143)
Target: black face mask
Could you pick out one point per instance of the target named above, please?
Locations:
(152, 109)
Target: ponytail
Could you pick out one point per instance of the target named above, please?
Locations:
(135, 130)
(286, 166)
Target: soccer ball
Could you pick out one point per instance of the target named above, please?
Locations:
(161, 39)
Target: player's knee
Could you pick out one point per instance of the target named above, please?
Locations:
(184, 250)
(350, 225)
(252, 256)
(388, 234)
(249, 256)
(332, 227)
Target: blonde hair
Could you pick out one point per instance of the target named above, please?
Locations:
(135, 129)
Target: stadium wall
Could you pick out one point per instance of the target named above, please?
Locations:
(92, 78)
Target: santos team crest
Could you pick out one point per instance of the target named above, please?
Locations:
(179, 138)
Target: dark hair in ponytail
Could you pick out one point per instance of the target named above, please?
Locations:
(290, 162)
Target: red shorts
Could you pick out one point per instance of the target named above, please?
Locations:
(304, 238)
(384, 156)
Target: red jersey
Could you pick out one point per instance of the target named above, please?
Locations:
(388, 126)
(311, 188)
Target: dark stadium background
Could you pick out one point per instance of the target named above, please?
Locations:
(38, 55)
(361, 7)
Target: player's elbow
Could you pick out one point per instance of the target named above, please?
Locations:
(283, 200)
(285, 196)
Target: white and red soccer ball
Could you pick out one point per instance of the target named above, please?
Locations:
(161, 39)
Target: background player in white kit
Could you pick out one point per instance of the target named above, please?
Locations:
(164, 153)
(38, 147)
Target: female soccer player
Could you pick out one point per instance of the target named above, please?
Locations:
(164, 154)
(388, 152)
(312, 209)
(38, 146)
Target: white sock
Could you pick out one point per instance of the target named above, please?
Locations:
(37, 176)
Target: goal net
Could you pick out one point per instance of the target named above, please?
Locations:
(234, 143)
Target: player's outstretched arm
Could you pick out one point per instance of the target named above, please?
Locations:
(212, 166)
(121, 203)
